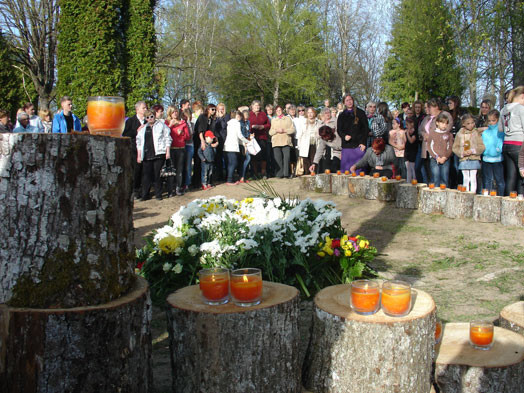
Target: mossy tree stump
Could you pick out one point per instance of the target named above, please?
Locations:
(387, 190)
(407, 196)
(323, 182)
(486, 208)
(432, 201)
(458, 204)
(339, 184)
(352, 353)
(512, 212)
(65, 219)
(235, 349)
(512, 317)
(307, 183)
(357, 186)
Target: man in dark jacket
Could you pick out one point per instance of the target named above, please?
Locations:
(130, 129)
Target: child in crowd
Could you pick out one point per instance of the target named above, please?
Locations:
(468, 147)
(439, 145)
(207, 156)
(412, 145)
(244, 127)
(492, 167)
(397, 139)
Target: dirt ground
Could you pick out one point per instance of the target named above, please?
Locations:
(471, 269)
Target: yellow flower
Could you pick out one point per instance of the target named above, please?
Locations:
(363, 244)
(321, 254)
(327, 249)
(347, 253)
(170, 243)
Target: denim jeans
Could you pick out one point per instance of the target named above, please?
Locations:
(188, 168)
(207, 172)
(493, 171)
(511, 163)
(247, 160)
(231, 159)
(439, 172)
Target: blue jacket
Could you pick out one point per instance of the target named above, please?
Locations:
(60, 125)
(493, 140)
(207, 155)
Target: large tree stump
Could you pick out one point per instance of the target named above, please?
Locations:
(432, 201)
(234, 349)
(512, 317)
(371, 187)
(407, 196)
(323, 183)
(357, 186)
(462, 369)
(307, 183)
(339, 184)
(65, 219)
(387, 190)
(458, 204)
(486, 208)
(353, 353)
(512, 212)
(103, 348)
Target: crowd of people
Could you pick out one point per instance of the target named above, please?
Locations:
(196, 146)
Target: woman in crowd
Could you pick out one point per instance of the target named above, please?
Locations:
(179, 135)
(281, 133)
(383, 110)
(259, 126)
(353, 129)
(512, 123)
(153, 140)
(456, 112)
(485, 107)
(377, 124)
(307, 138)
(47, 119)
(34, 120)
(397, 139)
(231, 146)
(221, 133)
(269, 111)
(158, 110)
(190, 149)
(379, 157)
(205, 122)
(328, 138)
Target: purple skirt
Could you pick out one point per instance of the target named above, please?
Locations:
(351, 157)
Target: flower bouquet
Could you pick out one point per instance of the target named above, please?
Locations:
(298, 243)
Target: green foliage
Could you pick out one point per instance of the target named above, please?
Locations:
(12, 95)
(422, 58)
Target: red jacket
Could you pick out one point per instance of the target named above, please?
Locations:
(259, 119)
(179, 134)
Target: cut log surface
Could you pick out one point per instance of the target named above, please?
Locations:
(512, 212)
(103, 348)
(235, 349)
(307, 183)
(339, 184)
(458, 204)
(486, 208)
(357, 186)
(372, 353)
(460, 368)
(407, 196)
(432, 201)
(512, 317)
(65, 219)
(323, 183)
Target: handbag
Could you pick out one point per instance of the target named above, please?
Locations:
(167, 170)
(253, 147)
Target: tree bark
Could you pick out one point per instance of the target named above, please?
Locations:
(512, 317)
(234, 349)
(307, 183)
(459, 204)
(432, 201)
(357, 186)
(486, 208)
(369, 353)
(407, 196)
(387, 190)
(104, 348)
(459, 368)
(323, 183)
(512, 212)
(66, 220)
(339, 184)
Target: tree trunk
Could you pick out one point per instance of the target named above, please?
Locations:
(234, 349)
(387, 190)
(512, 317)
(460, 368)
(357, 186)
(459, 204)
(369, 353)
(339, 184)
(104, 348)
(407, 196)
(307, 183)
(486, 208)
(432, 201)
(512, 212)
(65, 220)
(516, 13)
(323, 183)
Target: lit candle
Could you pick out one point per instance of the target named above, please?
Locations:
(493, 193)
(327, 171)
(396, 298)
(346, 172)
(354, 174)
(246, 286)
(214, 285)
(384, 178)
(312, 173)
(431, 185)
(362, 174)
(398, 177)
(481, 335)
(485, 192)
(365, 297)
(376, 175)
(513, 194)
(338, 172)
(414, 182)
(442, 186)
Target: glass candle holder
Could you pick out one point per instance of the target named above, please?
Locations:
(105, 115)
(365, 297)
(346, 172)
(431, 185)
(442, 186)
(376, 175)
(414, 182)
(493, 193)
(362, 174)
(214, 285)
(513, 194)
(438, 331)
(354, 174)
(384, 178)
(338, 172)
(246, 286)
(398, 177)
(485, 192)
(312, 173)
(327, 171)
(481, 335)
(396, 298)
(461, 188)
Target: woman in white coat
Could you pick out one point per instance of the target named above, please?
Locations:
(307, 138)
(231, 145)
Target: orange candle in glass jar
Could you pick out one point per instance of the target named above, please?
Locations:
(493, 193)
(362, 174)
(106, 115)
(214, 285)
(431, 186)
(442, 186)
(327, 172)
(338, 172)
(312, 173)
(396, 298)
(398, 177)
(513, 194)
(354, 174)
(481, 334)
(365, 297)
(414, 182)
(376, 175)
(384, 178)
(246, 286)
(346, 172)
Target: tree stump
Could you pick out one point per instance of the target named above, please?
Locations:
(323, 183)
(407, 196)
(103, 348)
(357, 186)
(235, 349)
(387, 190)
(371, 187)
(512, 317)
(486, 208)
(65, 219)
(307, 183)
(459, 204)
(339, 184)
(460, 368)
(354, 353)
(512, 212)
(432, 201)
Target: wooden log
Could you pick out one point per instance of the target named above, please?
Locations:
(460, 368)
(458, 204)
(353, 353)
(339, 184)
(371, 187)
(407, 196)
(323, 183)
(486, 208)
(307, 183)
(103, 348)
(512, 317)
(512, 212)
(233, 349)
(432, 201)
(65, 219)
(387, 190)
(357, 186)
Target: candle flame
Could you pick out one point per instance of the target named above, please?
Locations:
(245, 278)
(366, 287)
(213, 277)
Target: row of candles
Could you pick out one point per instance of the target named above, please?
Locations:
(244, 286)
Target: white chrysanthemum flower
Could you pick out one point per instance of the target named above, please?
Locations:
(193, 249)
(177, 268)
(247, 244)
(167, 267)
(166, 231)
